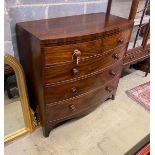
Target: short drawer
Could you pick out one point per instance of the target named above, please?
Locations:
(71, 107)
(63, 91)
(66, 72)
(69, 53)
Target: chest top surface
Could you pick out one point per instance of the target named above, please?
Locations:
(72, 26)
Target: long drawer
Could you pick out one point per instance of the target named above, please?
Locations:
(71, 107)
(66, 72)
(64, 54)
(58, 92)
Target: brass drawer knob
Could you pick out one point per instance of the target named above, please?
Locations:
(72, 107)
(113, 73)
(76, 55)
(75, 71)
(74, 91)
(120, 41)
(109, 89)
(116, 56)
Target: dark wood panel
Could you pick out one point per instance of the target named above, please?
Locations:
(79, 87)
(74, 26)
(30, 57)
(66, 54)
(63, 110)
(69, 71)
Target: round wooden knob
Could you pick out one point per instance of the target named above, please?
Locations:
(115, 56)
(113, 73)
(120, 41)
(72, 107)
(109, 89)
(75, 71)
(74, 91)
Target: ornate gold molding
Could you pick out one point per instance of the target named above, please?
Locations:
(28, 120)
(35, 122)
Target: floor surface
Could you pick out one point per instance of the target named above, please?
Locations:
(112, 129)
(13, 115)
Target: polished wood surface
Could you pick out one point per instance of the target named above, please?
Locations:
(60, 54)
(74, 26)
(133, 9)
(72, 68)
(54, 74)
(79, 86)
(80, 103)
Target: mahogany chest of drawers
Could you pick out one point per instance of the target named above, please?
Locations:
(72, 64)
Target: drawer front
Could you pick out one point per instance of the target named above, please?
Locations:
(69, 108)
(75, 88)
(69, 53)
(66, 72)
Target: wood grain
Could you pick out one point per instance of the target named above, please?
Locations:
(81, 86)
(67, 62)
(57, 74)
(93, 98)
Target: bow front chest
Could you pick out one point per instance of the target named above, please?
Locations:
(72, 64)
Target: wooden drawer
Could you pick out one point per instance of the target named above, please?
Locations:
(79, 86)
(65, 54)
(71, 107)
(66, 72)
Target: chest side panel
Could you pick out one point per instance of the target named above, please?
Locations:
(31, 60)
